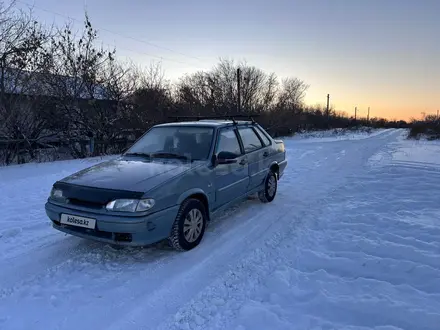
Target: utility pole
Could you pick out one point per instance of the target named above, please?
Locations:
(328, 109)
(368, 115)
(355, 113)
(437, 115)
(238, 89)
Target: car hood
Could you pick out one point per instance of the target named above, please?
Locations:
(130, 175)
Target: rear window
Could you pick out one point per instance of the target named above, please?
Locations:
(263, 136)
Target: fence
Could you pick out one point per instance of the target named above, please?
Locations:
(25, 150)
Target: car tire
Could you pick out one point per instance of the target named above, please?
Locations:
(189, 227)
(269, 192)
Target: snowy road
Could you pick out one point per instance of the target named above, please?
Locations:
(352, 241)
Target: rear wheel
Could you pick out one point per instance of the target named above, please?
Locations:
(269, 192)
(189, 226)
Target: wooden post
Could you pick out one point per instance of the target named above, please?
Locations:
(328, 109)
(238, 89)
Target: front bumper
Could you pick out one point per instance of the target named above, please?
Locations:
(117, 229)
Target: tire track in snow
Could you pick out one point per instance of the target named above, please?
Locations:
(355, 249)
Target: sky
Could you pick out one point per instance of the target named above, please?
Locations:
(382, 54)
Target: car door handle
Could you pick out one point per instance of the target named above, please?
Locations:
(266, 153)
(243, 161)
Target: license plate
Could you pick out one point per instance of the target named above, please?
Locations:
(75, 220)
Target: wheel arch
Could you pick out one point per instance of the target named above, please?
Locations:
(274, 167)
(196, 193)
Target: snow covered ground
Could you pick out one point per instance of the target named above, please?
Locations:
(337, 134)
(352, 241)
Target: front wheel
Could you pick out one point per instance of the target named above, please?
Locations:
(267, 195)
(189, 226)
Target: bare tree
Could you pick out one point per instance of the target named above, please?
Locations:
(79, 80)
(152, 76)
(216, 91)
(292, 93)
(200, 93)
(22, 41)
(258, 89)
(152, 99)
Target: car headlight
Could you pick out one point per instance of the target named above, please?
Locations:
(57, 194)
(130, 205)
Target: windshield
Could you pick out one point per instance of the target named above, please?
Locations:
(182, 142)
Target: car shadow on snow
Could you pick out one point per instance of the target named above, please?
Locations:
(98, 252)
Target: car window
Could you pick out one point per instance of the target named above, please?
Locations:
(228, 142)
(250, 139)
(263, 136)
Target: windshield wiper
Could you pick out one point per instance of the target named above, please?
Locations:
(169, 155)
(141, 154)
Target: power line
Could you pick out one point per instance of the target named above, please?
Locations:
(147, 54)
(118, 34)
(76, 38)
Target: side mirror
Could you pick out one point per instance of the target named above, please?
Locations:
(226, 157)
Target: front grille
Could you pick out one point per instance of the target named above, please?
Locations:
(123, 237)
(92, 232)
(87, 204)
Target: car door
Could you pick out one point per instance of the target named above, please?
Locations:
(256, 155)
(230, 180)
